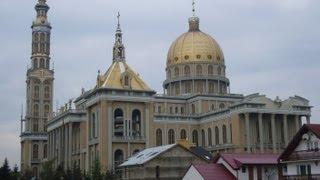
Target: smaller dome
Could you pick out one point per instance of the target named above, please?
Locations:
(194, 46)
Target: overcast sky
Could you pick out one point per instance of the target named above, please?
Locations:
(270, 47)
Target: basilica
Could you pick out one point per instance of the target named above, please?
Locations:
(121, 115)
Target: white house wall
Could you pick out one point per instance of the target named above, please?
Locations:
(193, 174)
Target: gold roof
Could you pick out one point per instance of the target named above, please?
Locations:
(194, 46)
(114, 78)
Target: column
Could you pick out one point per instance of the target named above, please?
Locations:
(180, 87)
(69, 145)
(147, 118)
(285, 126)
(308, 119)
(273, 129)
(297, 124)
(246, 115)
(261, 133)
(109, 136)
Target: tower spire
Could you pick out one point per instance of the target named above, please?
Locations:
(118, 48)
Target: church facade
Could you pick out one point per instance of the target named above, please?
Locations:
(122, 115)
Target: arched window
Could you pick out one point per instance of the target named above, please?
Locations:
(230, 133)
(118, 157)
(47, 92)
(176, 110)
(282, 132)
(195, 137)
(46, 110)
(171, 110)
(42, 51)
(136, 123)
(42, 63)
(257, 131)
(36, 36)
(159, 109)
(35, 151)
(181, 110)
(176, 71)
(93, 121)
(36, 92)
(209, 137)
(224, 134)
(47, 64)
(216, 129)
(211, 87)
(187, 70)
(36, 125)
(35, 172)
(183, 134)
(210, 69)
(171, 139)
(42, 37)
(212, 107)
(219, 70)
(169, 74)
(200, 87)
(36, 110)
(193, 109)
(35, 63)
(157, 172)
(118, 122)
(135, 151)
(199, 70)
(221, 106)
(158, 137)
(203, 138)
(126, 80)
(177, 88)
(187, 87)
(45, 151)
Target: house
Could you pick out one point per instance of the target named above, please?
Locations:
(208, 171)
(236, 166)
(300, 160)
(164, 162)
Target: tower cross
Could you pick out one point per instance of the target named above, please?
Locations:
(118, 19)
(193, 8)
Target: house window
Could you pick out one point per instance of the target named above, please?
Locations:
(217, 135)
(210, 69)
(195, 137)
(243, 169)
(176, 71)
(183, 134)
(158, 137)
(35, 151)
(157, 172)
(303, 170)
(45, 151)
(36, 92)
(199, 69)
(209, 137)
(187, 70)
(171, 139)
(126, 80)
(203, 138)
(224, 134)
(47, 92)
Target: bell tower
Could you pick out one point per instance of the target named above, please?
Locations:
(39, 94)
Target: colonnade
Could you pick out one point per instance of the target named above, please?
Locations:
(282, 131)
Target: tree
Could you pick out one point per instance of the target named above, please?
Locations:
(15, 173)
(47, 172)
(96, 170)
(5, 170)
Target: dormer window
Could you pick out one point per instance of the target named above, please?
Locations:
(126, 80)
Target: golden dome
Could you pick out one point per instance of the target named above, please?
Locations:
(194, 46)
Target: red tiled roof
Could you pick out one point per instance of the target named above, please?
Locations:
(214, 171)
(314, 128)
(236, 160)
